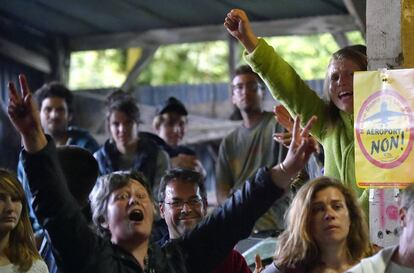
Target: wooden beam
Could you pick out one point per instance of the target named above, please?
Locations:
(384, 51)
(358, 9)
(146, 55)
(340, 39)
(25, 56)
(297, 26)
(60, 60)
(384, 34)
(407, 32)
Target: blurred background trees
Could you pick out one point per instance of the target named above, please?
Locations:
(197, 62)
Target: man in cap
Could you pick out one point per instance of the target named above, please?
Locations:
(170, 125)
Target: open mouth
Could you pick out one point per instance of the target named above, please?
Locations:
(136, 215)
(344, 94)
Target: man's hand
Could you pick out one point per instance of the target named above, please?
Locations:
(25, 117)
(300, 149)
(238, 25)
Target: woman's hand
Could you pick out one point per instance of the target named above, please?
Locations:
(238, 25)
(283, 117)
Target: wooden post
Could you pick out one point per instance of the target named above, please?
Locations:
(60, 60)
(407, 32)
(389, 45)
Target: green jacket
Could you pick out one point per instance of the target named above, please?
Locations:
(290, 90)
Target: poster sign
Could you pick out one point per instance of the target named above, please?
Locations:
(384, 128)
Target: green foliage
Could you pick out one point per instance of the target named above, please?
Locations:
(97, 69)
(187, 63)
(199, 62)
(308, 55)
(355, 37)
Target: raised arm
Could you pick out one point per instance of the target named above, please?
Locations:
(281, 79)
(25, 117)
(215, 236)
(238, 25)
(55, 207)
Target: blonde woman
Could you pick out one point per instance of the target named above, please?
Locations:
(18, 252)
(326, 231)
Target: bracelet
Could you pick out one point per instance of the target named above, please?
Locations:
(283, 168)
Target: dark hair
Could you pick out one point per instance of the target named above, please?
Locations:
(182, 175)
(80, 169)
(359, 48)
(245, 69)
(54, 89)
(172, 105)
(124, 102)
(103, 189)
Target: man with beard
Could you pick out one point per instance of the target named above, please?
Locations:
(183, 204)
(56, 112)
(250, 146)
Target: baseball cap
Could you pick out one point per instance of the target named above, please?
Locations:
(172, 105)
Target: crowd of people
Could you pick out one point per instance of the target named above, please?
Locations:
(138, 203)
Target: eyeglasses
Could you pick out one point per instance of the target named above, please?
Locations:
(251, 86)
(179, 204)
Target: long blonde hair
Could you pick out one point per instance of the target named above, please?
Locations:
(21, 249)
(296, 246)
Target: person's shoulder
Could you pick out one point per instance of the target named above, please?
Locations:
(269, 117)
(375, 263)
(81, 136)
(155, 138)
(187, 150)
(104, 150)
(78, 131)
(149, 143)
(271, 268)
(38, 266)
(234, 134)
(235, 255)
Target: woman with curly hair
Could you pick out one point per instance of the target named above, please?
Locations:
(326, 231)
(18, 252)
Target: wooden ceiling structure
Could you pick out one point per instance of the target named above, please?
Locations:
(43, 33)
